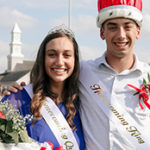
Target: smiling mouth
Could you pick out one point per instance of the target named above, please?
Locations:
(121, 44)
(59, 70)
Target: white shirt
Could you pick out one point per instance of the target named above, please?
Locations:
(99, 132)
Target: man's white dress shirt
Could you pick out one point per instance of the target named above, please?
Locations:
(99, 132)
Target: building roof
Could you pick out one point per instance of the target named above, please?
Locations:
(12, 76)
(27, 65)
(19, 72)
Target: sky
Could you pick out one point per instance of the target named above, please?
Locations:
(36, 17)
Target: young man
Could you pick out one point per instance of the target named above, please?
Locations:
(113, 118)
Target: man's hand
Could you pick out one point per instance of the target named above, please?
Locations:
(14, 88)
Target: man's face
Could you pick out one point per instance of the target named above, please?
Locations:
(120, 35)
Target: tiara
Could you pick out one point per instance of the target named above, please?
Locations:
(63, 29)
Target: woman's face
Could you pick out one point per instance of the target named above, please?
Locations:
(59, 59)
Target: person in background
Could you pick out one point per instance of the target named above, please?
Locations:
(112, 116)
(52, 96)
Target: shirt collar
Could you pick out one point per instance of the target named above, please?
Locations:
(138, 65)
(102, 60)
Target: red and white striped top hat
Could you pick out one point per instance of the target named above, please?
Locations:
(109, 9)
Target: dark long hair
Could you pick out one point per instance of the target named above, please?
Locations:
(41, 82)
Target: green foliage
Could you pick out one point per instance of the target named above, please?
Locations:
(12, 128)
(148, 77)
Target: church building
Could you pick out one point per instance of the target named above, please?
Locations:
(18, 69)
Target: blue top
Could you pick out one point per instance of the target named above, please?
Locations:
(40, 131)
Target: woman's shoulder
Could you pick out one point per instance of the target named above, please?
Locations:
(28, 89)
(21, 100)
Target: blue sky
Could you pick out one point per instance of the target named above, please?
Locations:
(36, 17)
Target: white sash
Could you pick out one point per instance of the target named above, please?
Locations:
(57, 123)
(125, 124)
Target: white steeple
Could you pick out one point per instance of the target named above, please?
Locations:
(16, 28)
(15, 55)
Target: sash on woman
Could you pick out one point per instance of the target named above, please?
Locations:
(113, 110)
(56, 122)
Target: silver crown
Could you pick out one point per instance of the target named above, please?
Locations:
(62, 28)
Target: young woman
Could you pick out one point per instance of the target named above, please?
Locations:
(52, 95)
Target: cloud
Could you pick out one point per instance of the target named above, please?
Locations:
(146, 23)
(4, 50)
(143, 54)
(83, 24)
(49, 4)
(53, 4)
(3, 64)
(29, 51)
(146, 4)
(59, 21)
(10, 16)
(145, 31)
(90, 52)
(89, 4)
